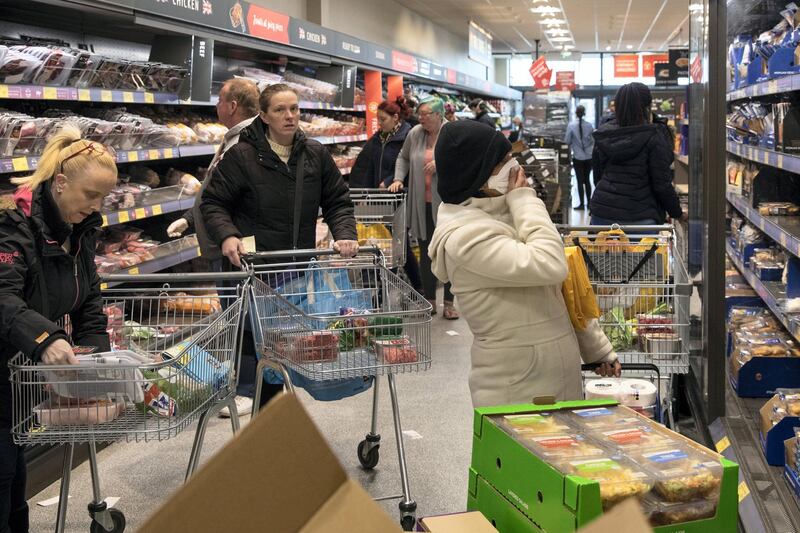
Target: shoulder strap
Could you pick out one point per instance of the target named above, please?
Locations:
(298, 196)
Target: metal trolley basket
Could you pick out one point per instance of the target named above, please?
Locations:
(643, 293)
(381, 222)
(176, 362)
(392, 335)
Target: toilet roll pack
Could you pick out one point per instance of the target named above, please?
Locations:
(639, 394)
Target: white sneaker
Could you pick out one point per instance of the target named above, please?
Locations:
(244, 406)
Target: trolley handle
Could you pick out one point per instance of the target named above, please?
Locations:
(657, 227)
(171, 278)
(307, 253)
(641, 367)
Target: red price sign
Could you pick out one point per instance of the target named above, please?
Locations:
(540, 73)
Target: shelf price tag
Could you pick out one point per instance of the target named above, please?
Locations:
(744, 491)
(148, 98)
(20, 164)
(783, 240)
(84, 95)
(152, 154)
(124, 217)
(133, 156)
(134, 271)
(105, 220)
(766, 157)
(103, 286)
(723, 444)
(168, 153)
(157, 210)
(140, 213)
(779, 162)
(772, 87)
(106, 96)
(50, 93)
(3, 91)
(127, 97)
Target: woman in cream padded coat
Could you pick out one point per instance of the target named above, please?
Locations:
(505, 259)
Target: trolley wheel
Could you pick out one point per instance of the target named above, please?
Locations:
(368, 457)
(119, 523)
(408, 522)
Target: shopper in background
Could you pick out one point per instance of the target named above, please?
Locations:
(450, 112)
(517, 130)
(47, 271)
(253, 190)
(580, 140)
(505, 258)
(633, 164)
(236, 108)
(608, 117)
(481, 111)
(417, 165)
(377, 171)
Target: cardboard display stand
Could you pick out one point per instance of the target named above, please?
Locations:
(277, 474)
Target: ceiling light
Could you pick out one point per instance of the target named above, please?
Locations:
(695, 7)
(608, 47)
(629, 47)
(561, 39)
(545, 10)
(552, 22)
(557, 31)
(568, 47)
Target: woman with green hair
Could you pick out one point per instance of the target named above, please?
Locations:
(417, 165)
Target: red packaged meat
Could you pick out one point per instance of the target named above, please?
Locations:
(396, 351)
(317, 347)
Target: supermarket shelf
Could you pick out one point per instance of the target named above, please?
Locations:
(197, 149)
(766, 502)
(771, 292)
(340, 139)
(72, 94)
(766, 157)
(776, 86)
(154, 208)
(682, 159)
(783, 230)
(331, 107)
(177, 252)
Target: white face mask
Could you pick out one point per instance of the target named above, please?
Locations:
(499, 181)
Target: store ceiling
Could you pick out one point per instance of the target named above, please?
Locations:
(593, 25)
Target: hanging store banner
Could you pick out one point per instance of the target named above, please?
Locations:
(649, 64)
(679, 61)
(374, 95)
(565, 80)
(540, 73)
(480, 45)
(626, 66)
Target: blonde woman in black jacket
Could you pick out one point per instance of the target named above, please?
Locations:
(47, 271)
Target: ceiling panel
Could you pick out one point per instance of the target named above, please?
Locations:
(594, 25)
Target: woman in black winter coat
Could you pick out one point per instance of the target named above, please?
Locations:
(632, 163)
(379, 155)
(47, 272)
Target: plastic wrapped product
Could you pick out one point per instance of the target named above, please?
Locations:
(598, 418)
(619, 478)
(681, 473)
(532, 424)
(59, 411)
(635, 439)
(561, 446)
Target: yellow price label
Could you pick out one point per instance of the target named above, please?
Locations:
(772, 87)
(133, 156)
(766, 157)
(20, 164)
(140, 213)
(723, 444)
(148, 98)
(152, 154)
(744, 491)
(779, 162)
(84, 95)
(157, 210)
(105, 220)
(168, 153)
(106, 96)
(103, 286)
(783, 240)
(50, 93)
(124, 217)
(127, 97)
(133, 271)
(3, 91)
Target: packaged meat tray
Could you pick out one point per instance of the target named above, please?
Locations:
(560, 446)
(635, 439)
(598, 418)
(317, 347)
(682, 474)
(532, 424)
(619, 478)
(58, 411)
(396, 351)
(664, 513)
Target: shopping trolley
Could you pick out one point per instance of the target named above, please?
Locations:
(175, 361)
(381, 222)
(389, 334)
(643, 293)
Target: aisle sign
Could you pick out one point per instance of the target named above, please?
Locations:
(267, 24)
(311, 36)
(565, 80)
(649, 64)
(374, 95)
(404, 62)
(626, 66)
(540, 73)
(480, 45)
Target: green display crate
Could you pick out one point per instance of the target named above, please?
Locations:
(552, 501)
(497, 510)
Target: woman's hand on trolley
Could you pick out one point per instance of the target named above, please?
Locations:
(608, 370)
(346, 248)
(396, 186)
(233, 249)
(59, 352)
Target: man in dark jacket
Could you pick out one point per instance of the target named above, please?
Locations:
(633, 168)
(380, 157)
(252, 192)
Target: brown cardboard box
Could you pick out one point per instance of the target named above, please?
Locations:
(790, 445)
(766, 414)
(277, 474)
(471, 522)
(628, 513)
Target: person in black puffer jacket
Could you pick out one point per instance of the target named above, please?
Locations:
(47, 272)
(377, 160)
(481, 111)
(632, 163)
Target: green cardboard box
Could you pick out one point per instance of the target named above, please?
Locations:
(555, 502)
